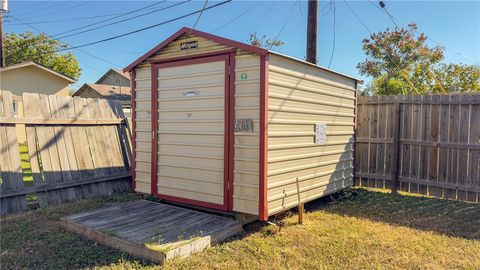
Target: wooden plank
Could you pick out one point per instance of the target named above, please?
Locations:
(373, 147)
(57, 186)
(69, 194)
(114, 141)
(433, 155)
(62, 122)
(382, 133)
(423, 151)
(87, 154)
(396, 123)
(473, 179)
(454, 136)
(10, 169)
(406, 117)
(65, 110)
(462, 159)
(443, 138)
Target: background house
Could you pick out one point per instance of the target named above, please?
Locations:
(114, 84)
(32, 77)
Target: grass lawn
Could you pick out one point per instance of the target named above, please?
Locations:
(364, 229)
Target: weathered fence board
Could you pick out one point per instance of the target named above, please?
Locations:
(420, 144)
(10, 169)
(77, 148)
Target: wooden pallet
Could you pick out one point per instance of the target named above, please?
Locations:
(153, 231)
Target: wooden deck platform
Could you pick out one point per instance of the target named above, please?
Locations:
(154, 231)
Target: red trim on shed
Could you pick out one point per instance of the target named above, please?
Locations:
(186, 30)
(231, 135)
(133, 75)
(263, 176)
(228, 144)
(154, 118)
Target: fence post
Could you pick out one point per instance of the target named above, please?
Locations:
(395, 144)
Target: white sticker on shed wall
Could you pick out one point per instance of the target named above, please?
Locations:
(320, 133)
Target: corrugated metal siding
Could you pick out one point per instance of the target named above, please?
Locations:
(143, 129)
(298, 97)
(247, 102)
(191, 131)
(172, 50)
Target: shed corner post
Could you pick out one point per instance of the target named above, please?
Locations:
(263, 169)
(133, 75)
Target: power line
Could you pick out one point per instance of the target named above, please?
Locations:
(386, 51)
(124, 20)
(36, 10)
(418, 33)
(234, 19)
(283, 26)
(56, 11)
(106, 20)
(39, 30)
(200, 15)
(264, 15)
(127, 19)
(145, 28)
(68, 19)
(334, 32)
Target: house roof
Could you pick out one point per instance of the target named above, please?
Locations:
(119, 72)
(228, 42)
(108, 91)
(40, 66)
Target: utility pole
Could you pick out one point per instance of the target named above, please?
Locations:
(3, 7)
(312, 20)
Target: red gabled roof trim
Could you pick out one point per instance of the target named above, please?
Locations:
(186, 30)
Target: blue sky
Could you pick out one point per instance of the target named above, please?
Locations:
(451, 24)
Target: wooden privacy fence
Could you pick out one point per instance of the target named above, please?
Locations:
(420, 144)
(75, 148)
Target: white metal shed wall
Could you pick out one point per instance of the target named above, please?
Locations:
(246, 159)
(143, 128)
(300, 95)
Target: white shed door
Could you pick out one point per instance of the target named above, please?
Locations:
(191, 132)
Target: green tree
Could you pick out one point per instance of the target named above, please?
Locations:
(41, 49)
(400, 62)
(264, 42)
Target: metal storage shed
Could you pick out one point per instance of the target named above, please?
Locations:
(238, 128)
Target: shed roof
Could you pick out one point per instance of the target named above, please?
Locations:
(40, 66)
(225, 41)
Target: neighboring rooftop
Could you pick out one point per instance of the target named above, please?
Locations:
(107, 91)
(40, 66)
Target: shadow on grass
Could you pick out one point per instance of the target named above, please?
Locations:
(452, 218)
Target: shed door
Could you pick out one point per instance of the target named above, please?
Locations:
(193, 104)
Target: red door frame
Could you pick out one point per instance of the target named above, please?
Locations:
(229, 58)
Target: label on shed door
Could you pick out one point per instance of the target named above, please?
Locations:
(320, 133)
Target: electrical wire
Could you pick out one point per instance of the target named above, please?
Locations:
(234, 19)
(109, 19)
(418, 33)
(127, 19)
(36, 10)
(85, 52)
(334, 32)
(200, 15)
(67, 19)
(283, 26)
(386, 51)
(56, 11)
(144, 28)
(261, 18)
